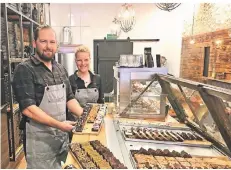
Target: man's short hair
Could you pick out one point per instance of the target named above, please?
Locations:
(36, 32)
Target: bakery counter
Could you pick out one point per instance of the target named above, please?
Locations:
(111, 137)
(150, 141)
(85, 138)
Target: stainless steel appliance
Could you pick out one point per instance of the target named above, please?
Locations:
(66, 36)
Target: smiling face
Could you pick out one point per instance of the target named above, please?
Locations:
(82, 61)
(46, 44)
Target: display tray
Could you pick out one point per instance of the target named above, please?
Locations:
(189, 151)
(94, 155)
(163, 134)
(92, 119)
(165, 159)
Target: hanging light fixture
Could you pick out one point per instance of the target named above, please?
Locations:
(167, 6)
(126, 17)
(115, 27)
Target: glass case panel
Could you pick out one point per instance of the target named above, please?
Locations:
(139, 86)
(181, 99)
(150, 101)
(145, 100)
(197, 111)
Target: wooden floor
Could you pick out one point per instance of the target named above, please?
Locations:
(22, 164)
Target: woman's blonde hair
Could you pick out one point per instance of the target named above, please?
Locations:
(82, 48)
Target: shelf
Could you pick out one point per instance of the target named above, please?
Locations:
(17, 60)
(19, 150)
(15, 108)
(14, 15)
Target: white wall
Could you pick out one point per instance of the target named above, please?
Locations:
(151, 23)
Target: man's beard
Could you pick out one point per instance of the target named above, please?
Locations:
(44, 57)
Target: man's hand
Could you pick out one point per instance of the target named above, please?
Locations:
(67, 126)
(74, 107)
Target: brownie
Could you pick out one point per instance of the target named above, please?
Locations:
(160, 158)
(170, 158)
(191, 137)
(175, 153)
(173, 136)
(197, 137)
(184, 154)
(141, 166)
(151, 151)
(143, 151)
(166, 152)
(169, 166)
(159, 152)
(133, 152)
(180, 159)
(177, 166)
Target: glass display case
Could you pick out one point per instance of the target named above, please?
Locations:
(137, 96)
(203, 140)
(204, 108)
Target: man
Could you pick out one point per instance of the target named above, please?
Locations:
(43, 91)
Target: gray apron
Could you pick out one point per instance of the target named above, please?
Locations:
(88, 95)
(46, 146)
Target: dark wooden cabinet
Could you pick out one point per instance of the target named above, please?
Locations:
(106, 54)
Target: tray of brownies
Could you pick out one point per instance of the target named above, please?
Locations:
(94, 155)
(91, 120)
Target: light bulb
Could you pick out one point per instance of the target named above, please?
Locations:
(192, 41)
(218, 42)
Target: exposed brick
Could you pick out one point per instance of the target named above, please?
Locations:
(192, 56)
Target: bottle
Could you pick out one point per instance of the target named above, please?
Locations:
(150, 62)
(35, 14)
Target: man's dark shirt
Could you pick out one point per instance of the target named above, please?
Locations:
(32, 76)
(77, 82)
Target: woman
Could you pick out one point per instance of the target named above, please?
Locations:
(85, 85)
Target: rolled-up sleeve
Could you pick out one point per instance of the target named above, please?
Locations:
(23, 86)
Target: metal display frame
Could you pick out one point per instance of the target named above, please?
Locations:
(9, 13)
(212, 97)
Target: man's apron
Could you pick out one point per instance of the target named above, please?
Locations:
(46, 146)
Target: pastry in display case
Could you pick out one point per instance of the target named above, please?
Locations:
(178, 136)
(166, 159)
(128, 86)
(91, 120)
(94, 155)
(146, 100)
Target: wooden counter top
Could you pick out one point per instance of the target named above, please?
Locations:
(85, 138)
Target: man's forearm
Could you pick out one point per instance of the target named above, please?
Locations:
(74, 107)
(40, 116)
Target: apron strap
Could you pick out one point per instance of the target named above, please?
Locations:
(60, 74)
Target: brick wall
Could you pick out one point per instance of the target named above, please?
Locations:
(192, 55)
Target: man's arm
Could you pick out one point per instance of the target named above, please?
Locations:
(74, 107)
(40, 116)
(23, 86)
